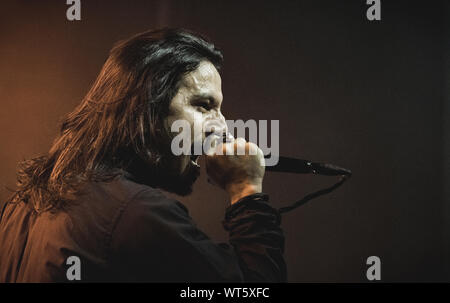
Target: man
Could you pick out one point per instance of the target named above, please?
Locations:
(96, 195)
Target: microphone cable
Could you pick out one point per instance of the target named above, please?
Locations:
(291, 165)
(313, 195)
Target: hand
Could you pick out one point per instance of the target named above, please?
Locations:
(238, 175)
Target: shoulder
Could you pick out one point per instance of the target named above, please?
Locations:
(150, 223)
(123, 200)
(103, 206)
(150, 209)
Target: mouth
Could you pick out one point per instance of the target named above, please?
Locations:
(194, 158)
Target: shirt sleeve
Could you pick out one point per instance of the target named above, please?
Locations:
(255, 233)
(155, 239)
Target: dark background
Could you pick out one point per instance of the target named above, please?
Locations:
(365, 95)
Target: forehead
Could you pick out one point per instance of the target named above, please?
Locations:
(205, 80)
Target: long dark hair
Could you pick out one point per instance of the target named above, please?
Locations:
(119, 121)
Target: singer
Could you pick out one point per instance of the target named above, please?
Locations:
(96, 195)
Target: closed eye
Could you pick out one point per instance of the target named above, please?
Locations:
(203, 104)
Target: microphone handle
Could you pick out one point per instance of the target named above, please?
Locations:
(291, 165)
(299, 166)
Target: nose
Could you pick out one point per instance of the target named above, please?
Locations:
(216, 124)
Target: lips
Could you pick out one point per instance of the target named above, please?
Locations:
(217, 137)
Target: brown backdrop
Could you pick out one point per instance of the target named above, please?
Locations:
(365, 95)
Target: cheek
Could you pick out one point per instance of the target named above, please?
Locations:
(197, 125)
(182, 115)
(195, 120)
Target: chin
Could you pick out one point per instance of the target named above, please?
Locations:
(183, 184)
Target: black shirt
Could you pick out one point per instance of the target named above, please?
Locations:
(126, 231)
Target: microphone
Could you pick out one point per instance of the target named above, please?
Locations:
(300, 166)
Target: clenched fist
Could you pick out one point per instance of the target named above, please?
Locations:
(237, 167)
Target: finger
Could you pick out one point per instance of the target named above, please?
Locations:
(229, 148)
(211, 144)
(252, 149)
(229, 137)
(240, 146)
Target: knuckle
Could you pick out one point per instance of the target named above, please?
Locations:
(240, 141)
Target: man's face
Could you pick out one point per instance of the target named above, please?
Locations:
(198, 101)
